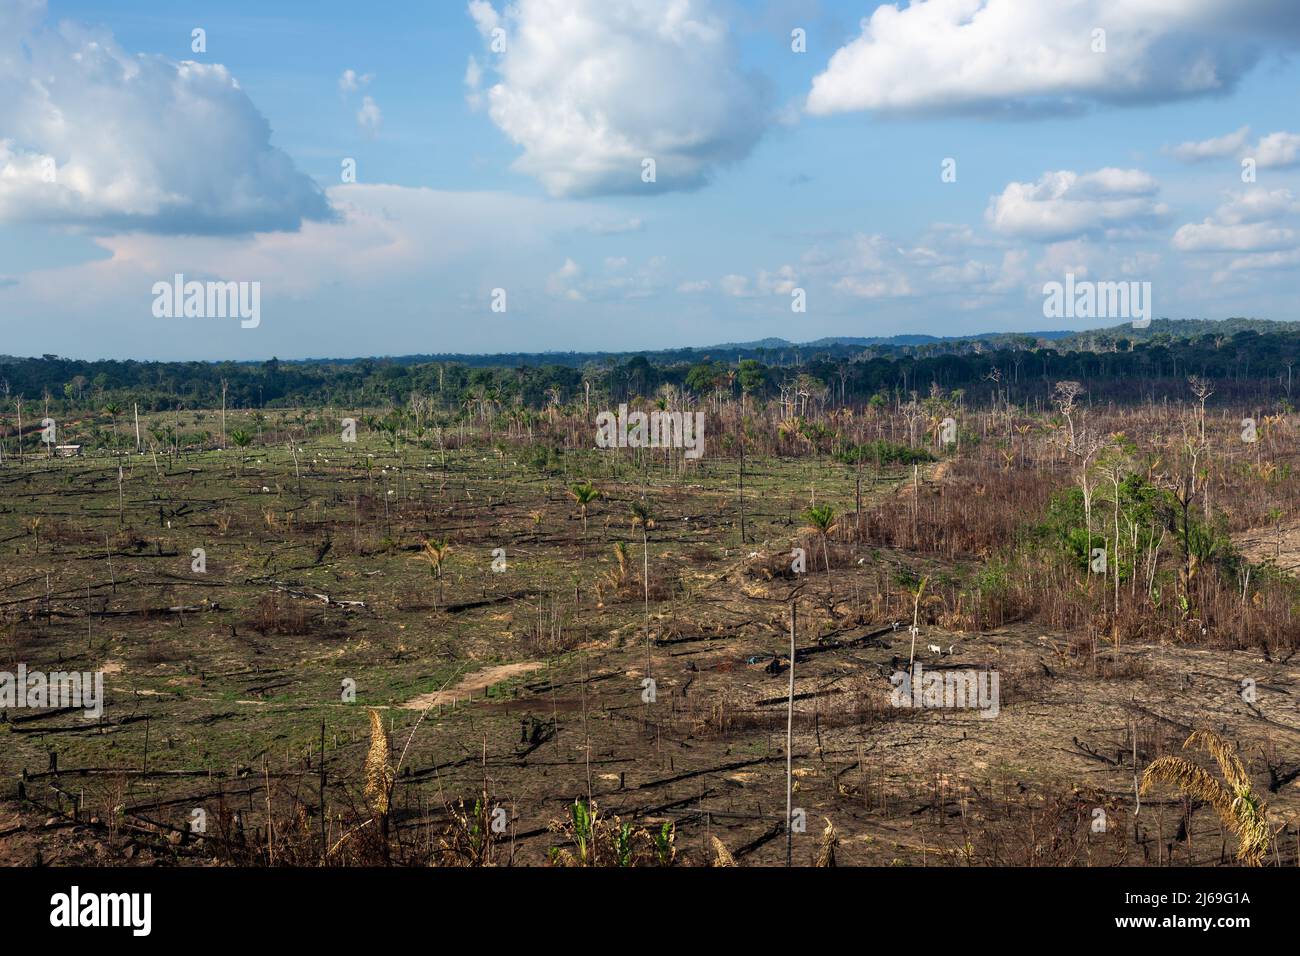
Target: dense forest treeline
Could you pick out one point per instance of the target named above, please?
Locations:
(1247, 361)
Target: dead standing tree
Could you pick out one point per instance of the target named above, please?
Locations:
(1186, 482)
(1084, 448)
(1202, 390)
(1064, 395)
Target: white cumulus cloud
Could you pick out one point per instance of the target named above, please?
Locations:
(1216, 148)
(134, 142)
(1278, 150)
(1063, 204)
(1032, 57)
(1211, 236)
(1250, 221)
(589, 89)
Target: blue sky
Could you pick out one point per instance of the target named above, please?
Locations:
(520, 169)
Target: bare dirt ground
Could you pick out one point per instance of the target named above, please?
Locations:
(1278, 545)
(534, 678)
(465, 688)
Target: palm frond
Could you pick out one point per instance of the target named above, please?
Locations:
(1230, 765)
(1193, 780)
(1236, 804)
(829, 842)
(721, 855)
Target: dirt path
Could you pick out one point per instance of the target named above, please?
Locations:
(479, 680)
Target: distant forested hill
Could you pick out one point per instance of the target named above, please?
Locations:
(1248, 358)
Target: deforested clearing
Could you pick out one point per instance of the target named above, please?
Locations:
(517, 647)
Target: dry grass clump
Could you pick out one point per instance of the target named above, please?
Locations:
(1052, 828)
(276, 615)
(728, 712)
(379, 772)
(623, 583)
(470, 840)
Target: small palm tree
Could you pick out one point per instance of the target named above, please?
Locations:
(584, 493)
(242, 439)
(1238, 807)
(33, 526)
(620, 555)
(643, 518)
(821, 519)
(112, 410)
(435, 553)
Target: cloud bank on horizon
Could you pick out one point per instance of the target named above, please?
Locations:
(639, 173)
